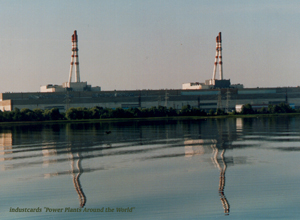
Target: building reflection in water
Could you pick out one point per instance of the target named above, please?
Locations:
(239, 124)
(48, 153)
(5, 147)
(197, 147)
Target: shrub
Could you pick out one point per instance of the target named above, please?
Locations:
(247, 109)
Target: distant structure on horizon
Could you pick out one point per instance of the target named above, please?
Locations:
(214, 83)
(71, 86)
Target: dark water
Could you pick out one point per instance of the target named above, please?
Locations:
(187, 169)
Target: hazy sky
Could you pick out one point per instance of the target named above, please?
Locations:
(148, 44)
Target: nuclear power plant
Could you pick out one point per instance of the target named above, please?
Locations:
(212, 94)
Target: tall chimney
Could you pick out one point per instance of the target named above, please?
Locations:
(74, 59)
(218, 57)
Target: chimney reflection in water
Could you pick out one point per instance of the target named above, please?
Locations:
(215, 160)
(197, 147)
(76, 172)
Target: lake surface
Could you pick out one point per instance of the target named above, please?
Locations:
(168, 169)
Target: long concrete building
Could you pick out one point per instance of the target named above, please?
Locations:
(225, 99)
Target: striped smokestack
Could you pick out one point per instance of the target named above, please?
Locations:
(218, 57)
(74, 59)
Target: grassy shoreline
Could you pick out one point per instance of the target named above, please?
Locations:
(147, 119)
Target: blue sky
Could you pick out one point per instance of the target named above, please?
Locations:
(155, 44)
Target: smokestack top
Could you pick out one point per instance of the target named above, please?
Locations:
(218, 38)
(74, 36)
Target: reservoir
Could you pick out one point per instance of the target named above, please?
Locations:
(232, 168)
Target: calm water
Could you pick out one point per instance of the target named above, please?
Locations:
(195, 169)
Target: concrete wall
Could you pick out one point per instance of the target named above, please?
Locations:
(5, 105)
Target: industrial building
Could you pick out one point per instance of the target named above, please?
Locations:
(213, 94)
(225, 99)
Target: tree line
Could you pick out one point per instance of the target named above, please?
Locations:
(101, 113)
(96, 113)
(271, 109)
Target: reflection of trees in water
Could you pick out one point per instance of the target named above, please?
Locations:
(264, 125)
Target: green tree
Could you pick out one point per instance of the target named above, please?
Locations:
(263, 110)
(82, 113)
(7, 116)
(27, 115)
(39, 116)
(277, 109)
(234, 112)
(172, 112)
(133, 112)
(71, 113)
(185, 110)
(17, 116)
(1, 116)
(106, 113)
(46, 114)
(95, 112)
(162, 111)
(55, 114)
(137, 112)
(220, 112)
(152, 112)
(271, 109)
(247, 109)
(145, 112)
(211, 112)
(286, 108)
(119, 113)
